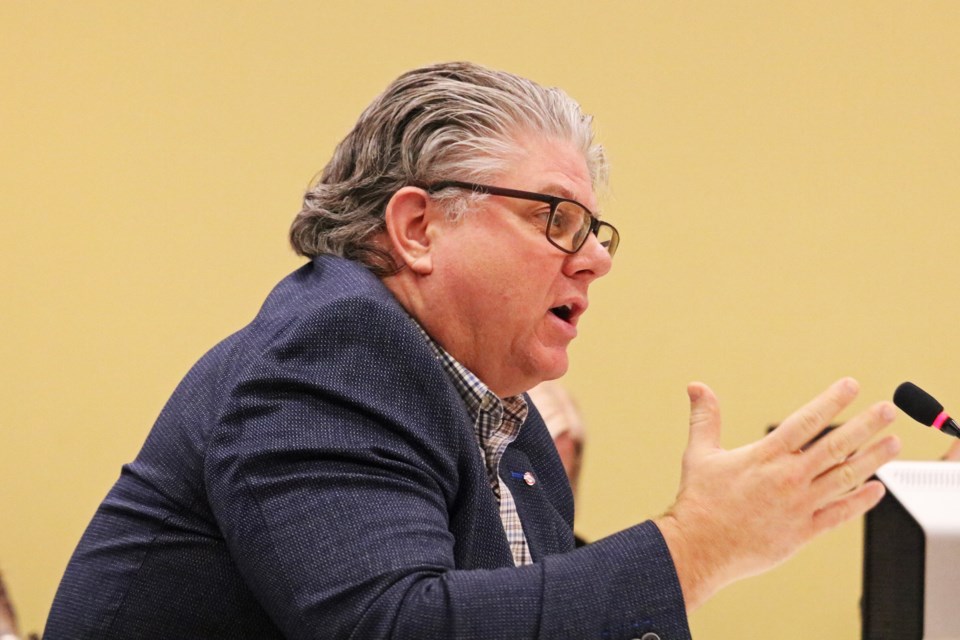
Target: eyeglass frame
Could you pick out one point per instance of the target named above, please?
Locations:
(553, 201)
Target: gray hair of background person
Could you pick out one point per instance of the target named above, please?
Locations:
(451, 121)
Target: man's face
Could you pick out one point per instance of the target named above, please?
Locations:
(501, 299)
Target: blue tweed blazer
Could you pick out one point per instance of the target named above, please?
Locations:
(316, 475)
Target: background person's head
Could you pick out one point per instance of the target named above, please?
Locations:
(565, 424)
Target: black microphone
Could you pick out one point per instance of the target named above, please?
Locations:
(924, 408)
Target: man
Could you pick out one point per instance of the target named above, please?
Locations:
(360, 462)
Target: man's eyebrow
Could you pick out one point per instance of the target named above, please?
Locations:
(554, 189)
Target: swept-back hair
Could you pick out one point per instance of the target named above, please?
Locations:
(451, 121)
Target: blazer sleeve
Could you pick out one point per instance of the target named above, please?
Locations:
(332, 471)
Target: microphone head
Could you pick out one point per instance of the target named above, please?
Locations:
(917, 403)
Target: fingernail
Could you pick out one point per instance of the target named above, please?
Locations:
(887, 412)
(894, 446)
(850, 385)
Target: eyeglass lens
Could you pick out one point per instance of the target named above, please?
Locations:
(570, 228)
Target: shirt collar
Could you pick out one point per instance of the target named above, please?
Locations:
(476, 395)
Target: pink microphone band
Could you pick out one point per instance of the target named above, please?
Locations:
(938, 422)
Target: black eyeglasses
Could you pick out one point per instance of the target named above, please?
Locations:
(568, 225)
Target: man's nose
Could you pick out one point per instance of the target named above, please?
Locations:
(593, 260)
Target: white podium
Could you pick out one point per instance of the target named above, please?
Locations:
(911, 566)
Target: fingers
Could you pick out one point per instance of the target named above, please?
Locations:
(852, 472)
(852, 505)
(804, 424)
(704, 418)
(834, 448)
(953, 453)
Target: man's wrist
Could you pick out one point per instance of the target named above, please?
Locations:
(693, 567)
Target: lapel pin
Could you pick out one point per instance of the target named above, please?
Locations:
(527, 477)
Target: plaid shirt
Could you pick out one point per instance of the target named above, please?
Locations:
(496, 423)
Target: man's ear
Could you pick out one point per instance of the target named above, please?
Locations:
(408, 218)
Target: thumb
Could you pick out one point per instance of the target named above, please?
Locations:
(704, 418)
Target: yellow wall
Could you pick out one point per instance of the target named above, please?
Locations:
(785, 182)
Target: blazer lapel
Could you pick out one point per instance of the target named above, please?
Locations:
(545, 528)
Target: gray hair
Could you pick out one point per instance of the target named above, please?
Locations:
(451, 121)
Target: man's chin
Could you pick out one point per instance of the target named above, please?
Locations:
(546, 364)
(555, 366)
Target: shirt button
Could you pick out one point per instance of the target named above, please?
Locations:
(649, 636)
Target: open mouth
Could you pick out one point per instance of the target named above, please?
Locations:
(564, 312)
